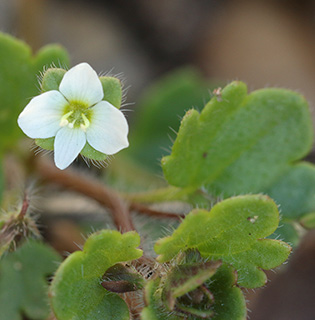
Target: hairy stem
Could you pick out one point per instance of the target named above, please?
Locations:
(25, 206)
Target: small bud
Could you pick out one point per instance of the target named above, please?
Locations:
(121, 278)
(184, 290)
(16, 227)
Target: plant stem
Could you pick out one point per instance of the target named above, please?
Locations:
(154, 213)
(119, 204)
(91, 188)
(169, 193)
(25, 206)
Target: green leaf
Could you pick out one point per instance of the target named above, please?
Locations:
(47, 144)
(308, 221)
(92, 154)
(184, 279)
(112, 90)
(295, 191)
(51, 79)
(240, 143)
(233, 231)
(288, 232)
(18, 81)
(76, 291)
(155, 309)
(159, 111)
(51, 55)
(23, 284)
(229, 301)
(120, 278)
(87, 151)
(2, 186)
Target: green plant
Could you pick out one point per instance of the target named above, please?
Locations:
(232, 163)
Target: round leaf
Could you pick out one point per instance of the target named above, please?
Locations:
(233, 231)
(76, 291)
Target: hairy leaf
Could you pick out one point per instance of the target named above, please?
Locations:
(112, 90)
(233, 231)
(295, 191)
(229, 301)
(76, 291)
(288, 232)
(155, 309)
(159, 111)
(23, 285)
(240, 143)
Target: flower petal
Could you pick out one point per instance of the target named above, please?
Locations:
(68, 144)
(82, 84)
(108, 130)
(41, 117)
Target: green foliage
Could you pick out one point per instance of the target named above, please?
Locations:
(92, 154)
(51, 79)
(308, 221)
(229, 299)
(182, 285)
(121, 279)
(18, 82)
(233, 231)
(229, 302)
(295, 191)
(112, 90)
(240, 143)
(155, 310)
(1, 181)
(15, 229)
(160, 109)
(76, 291)
(23, 284)
(288, 232)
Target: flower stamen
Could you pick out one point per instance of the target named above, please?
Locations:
(86, 122)
(64, 120)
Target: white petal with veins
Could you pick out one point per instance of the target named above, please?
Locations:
(82, 84)
(68, 144)
(108, 129)
(41, 117)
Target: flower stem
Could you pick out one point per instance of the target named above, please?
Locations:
(119, 204)
(91, 188)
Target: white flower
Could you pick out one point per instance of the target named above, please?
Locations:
(75, 115)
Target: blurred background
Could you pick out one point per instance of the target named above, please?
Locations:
(262, 42)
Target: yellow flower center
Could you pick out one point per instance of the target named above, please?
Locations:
(76, 115)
